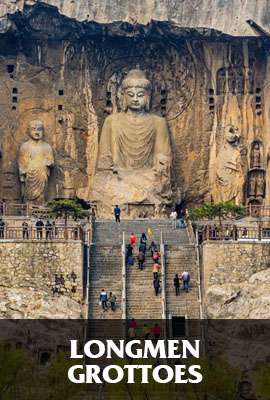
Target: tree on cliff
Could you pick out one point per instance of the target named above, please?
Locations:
(66, 208)
(15, 367)
(221, 210)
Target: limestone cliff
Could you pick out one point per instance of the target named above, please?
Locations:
(211, 14)
(236, 280)
(65, 69)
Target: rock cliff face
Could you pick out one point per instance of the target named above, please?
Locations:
(236, 280)
(211, 14)
(65, 69)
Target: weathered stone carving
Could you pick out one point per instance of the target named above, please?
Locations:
(228, 185)
(256, 185)
(233, 80)
(35, 160)
(256, 175)
(256, 156)
(134, 161)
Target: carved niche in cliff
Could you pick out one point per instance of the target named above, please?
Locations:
(172, 77)
(256, 182)
(35, 161)
(134, 160)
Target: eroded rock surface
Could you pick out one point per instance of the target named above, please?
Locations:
(237, 280)
(188, 14)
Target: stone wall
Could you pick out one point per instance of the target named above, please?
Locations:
(236, 279)
(28, 271)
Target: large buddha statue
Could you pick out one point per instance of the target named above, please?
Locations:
(134, 159)
(35, 160)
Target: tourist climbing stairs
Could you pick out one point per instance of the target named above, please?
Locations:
(178, 259)
(138, 300)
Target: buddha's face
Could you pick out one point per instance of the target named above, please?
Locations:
(232, 135)
(36, 130)
(136, 98)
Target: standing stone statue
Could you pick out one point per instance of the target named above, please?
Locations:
(134, 160)
(256, 156)
(228, 185)
(252, 186)
(260, 186)
(35, 160)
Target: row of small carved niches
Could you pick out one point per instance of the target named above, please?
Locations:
(15, 92)
(242, 74)
(256, 177)
(231, 85)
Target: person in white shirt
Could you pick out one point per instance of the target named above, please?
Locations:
(173, 217)
(186, 280)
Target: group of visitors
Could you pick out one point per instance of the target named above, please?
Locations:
(38, 230)
(176, 218)
(64, 286)
(147, 331)
(185, 278)
(141, 257)
(155, 254)
(104, 299)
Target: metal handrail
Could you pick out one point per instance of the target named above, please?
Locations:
(124, 279)
(163, 277)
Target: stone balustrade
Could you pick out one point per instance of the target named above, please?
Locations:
(55, 233)
(234, 232)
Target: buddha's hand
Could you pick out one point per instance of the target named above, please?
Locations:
(105, 162)
(162, 165)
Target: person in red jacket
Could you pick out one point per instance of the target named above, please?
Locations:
(133, 239)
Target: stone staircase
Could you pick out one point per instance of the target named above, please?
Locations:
(142, 303)
(106, 271)
(177, 260)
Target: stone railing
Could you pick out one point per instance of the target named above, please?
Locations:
(124, 279)
(257, 211)
(23, 210)
(55, 233)
(234, 232)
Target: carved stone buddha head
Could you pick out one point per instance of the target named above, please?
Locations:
(36, 129)
(232, 135)
(136, 91)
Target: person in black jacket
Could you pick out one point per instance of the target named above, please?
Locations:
(176, 283)
(2, 228)
(141, 259)
(156, 285)
(117, 213)
(39, 227)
